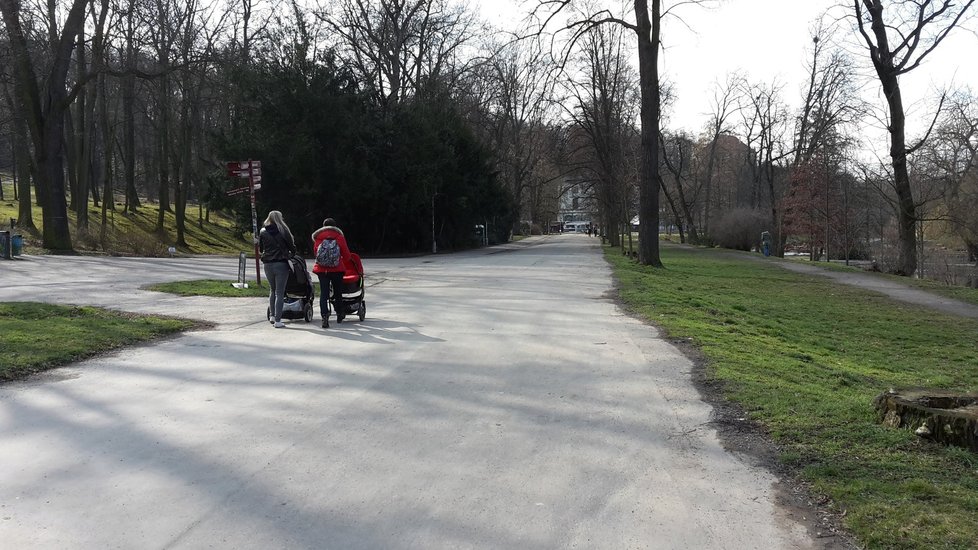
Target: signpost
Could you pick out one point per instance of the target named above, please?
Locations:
(242, 262)
(250, 169)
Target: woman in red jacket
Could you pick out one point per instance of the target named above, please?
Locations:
(332, 255)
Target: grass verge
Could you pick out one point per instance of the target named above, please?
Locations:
(38, 336)
(805, 357)
(210, 287)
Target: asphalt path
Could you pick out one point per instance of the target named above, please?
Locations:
(893, 289)
(492, 399)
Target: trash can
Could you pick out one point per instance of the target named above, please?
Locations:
(766, 243)
(16, 245)
(5, 244)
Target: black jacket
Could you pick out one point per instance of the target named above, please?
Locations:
(274, 245)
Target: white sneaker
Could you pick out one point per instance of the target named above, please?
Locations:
(280, 324)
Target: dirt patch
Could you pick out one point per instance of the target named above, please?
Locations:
(748, 439)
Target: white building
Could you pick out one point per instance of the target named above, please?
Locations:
(576, 209)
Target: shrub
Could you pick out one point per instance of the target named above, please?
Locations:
(740, 228)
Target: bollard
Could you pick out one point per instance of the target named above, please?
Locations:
(5, 245)
(16, 245)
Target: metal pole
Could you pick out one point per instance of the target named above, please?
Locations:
(254, 220)
(434, 243)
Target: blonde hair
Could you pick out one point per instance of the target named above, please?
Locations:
(276, 217)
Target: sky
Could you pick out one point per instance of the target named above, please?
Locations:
(765, 41)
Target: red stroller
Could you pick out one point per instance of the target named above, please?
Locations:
(351, 291)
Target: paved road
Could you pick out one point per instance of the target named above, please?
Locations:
(493, 399)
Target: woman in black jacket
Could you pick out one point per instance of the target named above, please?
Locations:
(276, 244)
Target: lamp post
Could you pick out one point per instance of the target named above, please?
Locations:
(434, 243)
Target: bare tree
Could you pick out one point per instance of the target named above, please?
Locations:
(518, 77)
(831, 100)
(830, 108)
(195, 46)
(677, 155)
(43, 100)
(398, 46)
(725, 104)
(950, 163)
(604, 94)
(21, 156)
(647, 26)
(164, 21)
(766, 130)
(899, 35)
(90, 59)
(128, 52)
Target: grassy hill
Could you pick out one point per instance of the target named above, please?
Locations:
(134, 234)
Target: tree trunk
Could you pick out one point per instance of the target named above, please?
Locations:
(906, 208)
(81, 165)
(648, 63)
(50, 158)
(129, 118)
(164, 152)
(775, 215)
(108, 201)
(71, 148)
(675, 211)
(708, 186)
(183, 185)
(25, 214)
(21, 154)
(129, 142)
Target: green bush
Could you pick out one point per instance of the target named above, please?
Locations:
(740, 228)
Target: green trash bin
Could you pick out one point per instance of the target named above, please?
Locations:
(5, 244)
(16, 245)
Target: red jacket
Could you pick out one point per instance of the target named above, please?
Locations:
(331, 232)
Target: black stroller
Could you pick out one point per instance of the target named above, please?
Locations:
(351, 291)
(299, 293)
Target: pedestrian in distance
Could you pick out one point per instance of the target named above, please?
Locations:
(277, 246)
(332, 257)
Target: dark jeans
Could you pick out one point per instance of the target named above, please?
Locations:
(327, 280)
(277, 275)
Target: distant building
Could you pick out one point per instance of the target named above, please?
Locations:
(576, 208)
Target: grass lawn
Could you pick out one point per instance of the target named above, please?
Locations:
(39, 336)
(805, 357)
(135, 234)
(210, 287)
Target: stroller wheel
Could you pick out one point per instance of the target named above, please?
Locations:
(363, 311)
(308, 312)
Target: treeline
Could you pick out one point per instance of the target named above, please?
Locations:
(113, 103)
(394, 178)
(801, 168)
(412, 122)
